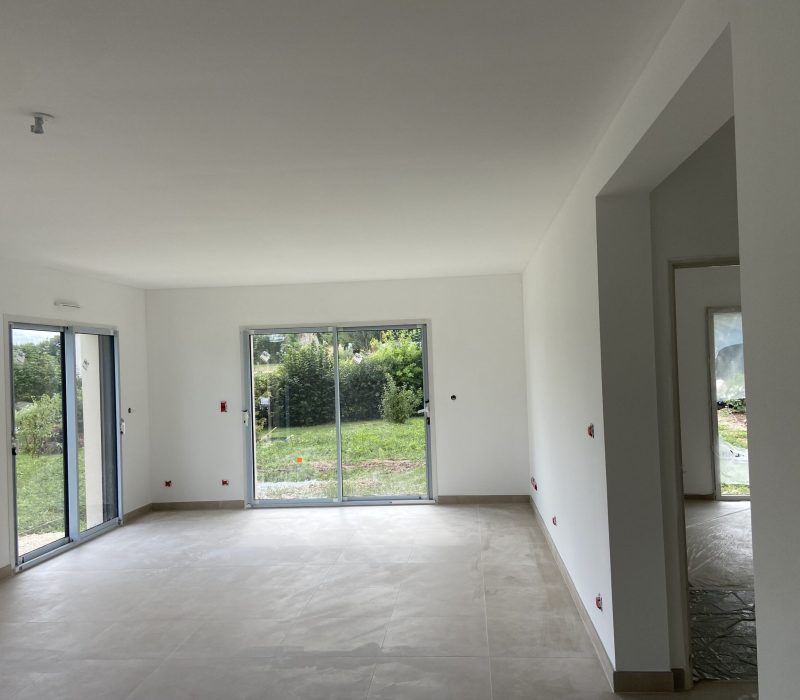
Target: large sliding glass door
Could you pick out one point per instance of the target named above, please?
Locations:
(338, 414)
(64, 435)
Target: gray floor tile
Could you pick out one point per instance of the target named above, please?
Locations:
(506, 575)
(47, 641)
(431, 678)
(549, 679)
(246, 639)
(82, 679)
(511, 602)
(351, 636)
(456, 599)
(354, 574)
(363, 601)
(291, 678)
(376, 553)
(436, 636)
(539, 635)
(152, 639)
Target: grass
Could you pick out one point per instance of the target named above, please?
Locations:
(378, 459)
(735, 489)
(40, 494)
(732, 427)
(734, 436)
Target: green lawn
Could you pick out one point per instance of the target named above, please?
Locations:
(735, 489)
(379, 459)
(734, 436)
(732, 427)
(40, 493)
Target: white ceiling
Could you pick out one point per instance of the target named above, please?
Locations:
(206, 143)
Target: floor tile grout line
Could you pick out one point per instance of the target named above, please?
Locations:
(383, 641)
(146, 678)
(485, 608)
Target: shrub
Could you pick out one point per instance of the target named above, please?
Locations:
(400, 355)
(398, 403)
(361, 387)
(38, 424)
(737, 405)
(300, 388)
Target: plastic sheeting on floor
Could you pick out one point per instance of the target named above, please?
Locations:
(719, 553)
(723, 635)
(719, 546)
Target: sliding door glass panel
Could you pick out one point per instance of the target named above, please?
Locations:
(383, 433)
(39, 429)
(294, 416)
(96, 421)
(731, 403)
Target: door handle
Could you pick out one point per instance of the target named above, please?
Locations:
(426, 411)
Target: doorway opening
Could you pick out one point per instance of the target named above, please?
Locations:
(65, 442)
(716, 477)
(338, 414)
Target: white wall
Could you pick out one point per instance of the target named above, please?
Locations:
(696, 290)
(476, 353)
(563, 335)
(564, 396)
(28, 292)
(765, 59)
(630, 416)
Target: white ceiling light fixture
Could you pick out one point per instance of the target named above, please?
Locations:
(39, 118)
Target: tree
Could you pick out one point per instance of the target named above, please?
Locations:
(37, 370)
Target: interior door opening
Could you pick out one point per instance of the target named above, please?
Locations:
(338, 414)
(716, 475)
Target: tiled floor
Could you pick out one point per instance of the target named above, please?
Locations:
(398, 602)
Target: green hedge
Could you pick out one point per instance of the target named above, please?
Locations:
(301, 388)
